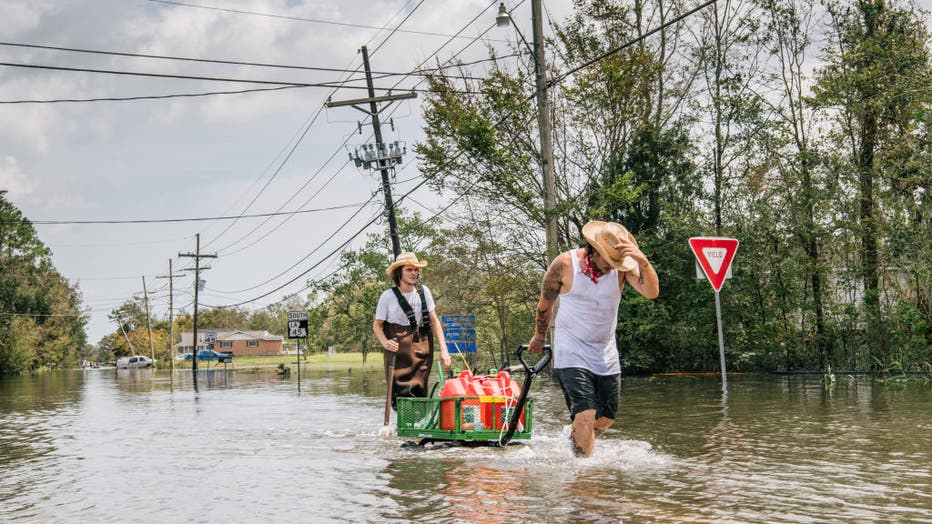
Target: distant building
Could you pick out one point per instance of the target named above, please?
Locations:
(240, 342)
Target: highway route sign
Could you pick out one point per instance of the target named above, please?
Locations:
(297, 324)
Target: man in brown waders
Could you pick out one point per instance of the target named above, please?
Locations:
(406, 326)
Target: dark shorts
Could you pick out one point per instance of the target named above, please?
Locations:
(584, 390)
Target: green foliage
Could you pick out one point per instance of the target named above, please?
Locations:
(342, 305)
(639, 145)
(222, 318)
(40, 320)
(878, 84)
(715, 130)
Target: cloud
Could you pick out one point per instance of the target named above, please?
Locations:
(13, 180)
(18, 15)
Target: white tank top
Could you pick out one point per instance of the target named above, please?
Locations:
(584, 328)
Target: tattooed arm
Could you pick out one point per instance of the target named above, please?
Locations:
(549, 291)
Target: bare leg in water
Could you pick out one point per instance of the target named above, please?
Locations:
(585, 430)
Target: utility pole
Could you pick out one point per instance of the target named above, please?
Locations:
(171, 312)
(145, 293)
(543, 118)
(546, 133)
(197, 285)
(378, 156)
(128, 343)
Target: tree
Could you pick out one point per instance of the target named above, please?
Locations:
(877, 79)
(222, 318)
(795, 186)
(40, 318)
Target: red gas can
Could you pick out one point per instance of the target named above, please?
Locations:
(500, 413)
(465, 385)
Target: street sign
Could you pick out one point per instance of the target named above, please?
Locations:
(459, 332)
(210, 337)
(297, 315)
(297, 324)
(714, 255)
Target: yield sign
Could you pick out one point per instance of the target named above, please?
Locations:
(714, 255)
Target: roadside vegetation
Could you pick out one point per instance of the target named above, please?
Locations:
(315, 361)
(801, 128)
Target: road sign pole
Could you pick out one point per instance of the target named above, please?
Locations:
(298, 356)
(297, 329)
(721, 340)
(714, 256)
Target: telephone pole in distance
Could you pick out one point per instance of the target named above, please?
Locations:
(198, 284)
(171, 314)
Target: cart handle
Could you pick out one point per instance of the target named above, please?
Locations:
(537, 368)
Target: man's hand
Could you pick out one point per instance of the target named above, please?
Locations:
(536, 345)
(629, 248)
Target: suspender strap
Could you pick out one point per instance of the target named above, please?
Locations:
(425, 316)
(409, 311)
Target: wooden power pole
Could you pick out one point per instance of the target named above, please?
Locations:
(381, 156)
(197, 256)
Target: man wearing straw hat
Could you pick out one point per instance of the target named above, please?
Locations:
(588, 282)
(404, 322)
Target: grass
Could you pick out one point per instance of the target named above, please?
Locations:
(313, 361)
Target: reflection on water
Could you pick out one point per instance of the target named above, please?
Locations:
(145, 446)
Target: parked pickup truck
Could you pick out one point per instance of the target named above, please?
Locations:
(209, 354)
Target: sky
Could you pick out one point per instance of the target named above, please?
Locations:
(161, 171)
(213, 156)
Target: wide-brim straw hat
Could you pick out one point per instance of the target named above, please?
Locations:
(604, 237)
(405, 259)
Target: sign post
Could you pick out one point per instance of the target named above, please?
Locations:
(297, 328)
(714, 255)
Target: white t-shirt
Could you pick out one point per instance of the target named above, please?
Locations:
(389, 310)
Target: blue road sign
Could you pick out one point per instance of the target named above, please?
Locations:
(460, 332)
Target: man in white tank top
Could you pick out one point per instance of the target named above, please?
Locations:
(588, 282)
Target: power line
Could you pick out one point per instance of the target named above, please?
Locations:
(318, 171)
(562, 76)
(308, 270)
(421, 64)
(147, 97)
(397, 27)
(196, 219)
(319, 245)
(381, 74)
(275, 173)
(296, 18)
(367, 225)
(186, 59)
(297, 142)
(280, 224)
(191, 77)
(322, 260)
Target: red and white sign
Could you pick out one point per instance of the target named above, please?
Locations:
(714, 255)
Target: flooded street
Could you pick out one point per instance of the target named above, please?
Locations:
(142, 446)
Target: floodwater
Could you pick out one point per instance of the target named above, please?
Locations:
(143, 446)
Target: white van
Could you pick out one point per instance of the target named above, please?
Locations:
(135, 361)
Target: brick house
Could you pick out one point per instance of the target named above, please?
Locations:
(240, 342)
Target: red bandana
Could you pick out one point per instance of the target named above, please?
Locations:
(591, 271)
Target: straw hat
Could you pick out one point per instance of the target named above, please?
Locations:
(405, 259)
(605, 237)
